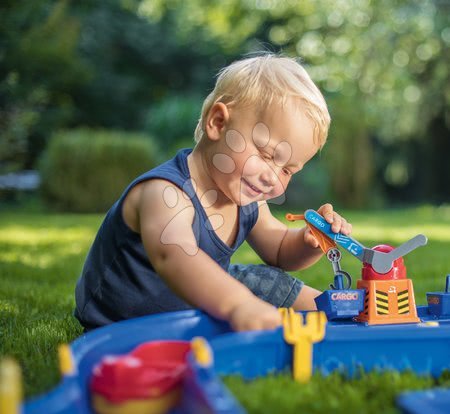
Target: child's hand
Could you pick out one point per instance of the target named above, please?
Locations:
(254, 315)
(338, 224)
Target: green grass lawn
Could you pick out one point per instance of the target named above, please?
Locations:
(41, 255)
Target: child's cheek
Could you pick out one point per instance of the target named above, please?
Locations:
(253, 165)
(278, 189)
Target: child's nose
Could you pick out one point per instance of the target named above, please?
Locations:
(269, 176)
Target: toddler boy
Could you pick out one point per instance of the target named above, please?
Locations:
(166, 244)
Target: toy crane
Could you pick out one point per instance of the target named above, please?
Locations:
(384, 295)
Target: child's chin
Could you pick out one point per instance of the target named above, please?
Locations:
(245, 201)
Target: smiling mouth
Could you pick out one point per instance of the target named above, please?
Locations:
(253, 189)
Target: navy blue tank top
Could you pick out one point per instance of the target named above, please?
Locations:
(119, 282)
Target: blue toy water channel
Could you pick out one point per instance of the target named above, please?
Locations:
(347, 346)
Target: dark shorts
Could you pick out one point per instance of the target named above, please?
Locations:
(269, 283)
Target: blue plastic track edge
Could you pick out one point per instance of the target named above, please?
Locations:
(434, 401)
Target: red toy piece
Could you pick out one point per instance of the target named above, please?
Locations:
(390, 296)
(147, 380)
(398, 270)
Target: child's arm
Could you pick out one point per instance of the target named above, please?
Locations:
(290, 248)
(165, 222)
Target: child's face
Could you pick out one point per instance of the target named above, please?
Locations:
(257, 154)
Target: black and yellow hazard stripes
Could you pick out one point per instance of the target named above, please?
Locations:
(381, 302)
(388, 302)
(366, 302)
(403, 302)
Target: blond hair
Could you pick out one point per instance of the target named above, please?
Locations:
(265, 79)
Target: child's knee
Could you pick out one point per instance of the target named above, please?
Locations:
(305, 299)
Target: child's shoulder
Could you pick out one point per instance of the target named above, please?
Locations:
(159, 191)
(155, 196)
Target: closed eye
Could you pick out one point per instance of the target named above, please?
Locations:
(266, 156)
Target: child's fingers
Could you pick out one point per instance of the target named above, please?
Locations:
(337, 223)
(310, 239)
(255, 315)
(346, 228)
(341, 225)
(327, 212)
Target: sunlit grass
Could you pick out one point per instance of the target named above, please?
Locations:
(41, 256)
(372, 392)
(28, 237)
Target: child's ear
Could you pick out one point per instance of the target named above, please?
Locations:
(216, 120)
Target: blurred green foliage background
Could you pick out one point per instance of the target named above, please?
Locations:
(144, 66)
